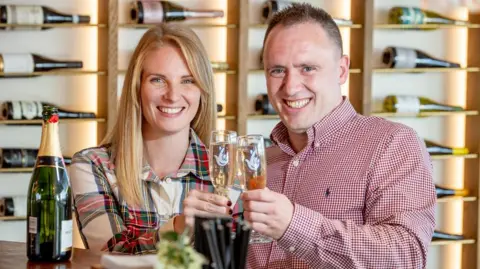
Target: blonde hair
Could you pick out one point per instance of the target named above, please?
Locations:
(125, 137)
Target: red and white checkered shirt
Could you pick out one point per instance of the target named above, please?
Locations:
(363, 196)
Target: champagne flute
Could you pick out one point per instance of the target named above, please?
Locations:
(252, 170)
(222, 160)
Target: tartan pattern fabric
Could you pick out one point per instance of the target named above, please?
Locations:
(363, 196)
(106, 222)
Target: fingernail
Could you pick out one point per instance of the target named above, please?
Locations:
(229, 203)
(231, 212)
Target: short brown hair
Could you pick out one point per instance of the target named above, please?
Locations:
(303, 12)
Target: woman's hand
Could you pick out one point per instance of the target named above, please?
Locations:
(204, 204)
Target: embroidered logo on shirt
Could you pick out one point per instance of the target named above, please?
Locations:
(254, 162)
(222, 157)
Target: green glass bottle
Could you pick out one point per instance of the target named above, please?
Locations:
(49, 201)
(443, 191)
(414, 104)
(415, 15)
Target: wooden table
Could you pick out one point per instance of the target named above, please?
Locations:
(13, 256)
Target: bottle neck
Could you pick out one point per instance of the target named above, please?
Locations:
(50, 142)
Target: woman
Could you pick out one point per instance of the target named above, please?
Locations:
(132, 187)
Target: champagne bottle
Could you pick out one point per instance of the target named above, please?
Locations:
(21, 158)
(270, 7)
(442, 192)
(401, 57)
(31, 110)
(437, 235)
(18, 64)
(144, 12)
(414, 104)
(263, 106)
(437, 149)
(13, 206)
(49, 199)
(36, 15)
(415, 15)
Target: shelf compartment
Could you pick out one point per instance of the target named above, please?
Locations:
(425, 114)
(13, 218)
(447, 199)
(446, 157)
(452, 242)
(425, 70)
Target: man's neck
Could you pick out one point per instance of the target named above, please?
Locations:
(298, 141)
(165, 152)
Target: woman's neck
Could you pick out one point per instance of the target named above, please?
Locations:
(165, 152)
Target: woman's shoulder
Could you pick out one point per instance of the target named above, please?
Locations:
(99, 156)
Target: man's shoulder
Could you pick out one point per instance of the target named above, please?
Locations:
(376, 126)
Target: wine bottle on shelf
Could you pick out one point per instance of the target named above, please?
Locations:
(442, 192)
(415, 15)
(263, 106)
(22, 64)
(437, 235)
(21, 158)
(49, 199)
(145, 12)
(402, 57)
(32, 110)
(13, 206)
(219, 65)
(270, 7)
(414, 104)
(36, 15)
(219, 108)
(437, 149)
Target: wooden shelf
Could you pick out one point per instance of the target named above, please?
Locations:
(55, 73)
(226, 117)
(423, 26)
(452, 242)
(261, 71)
(217, 71)
(39, 122)
(54, 25)
(456, 198)
(425, 70)
(264, 26)
(425, 114)
(204, 25)
(445, 157)
(16, 170)
(13, 218)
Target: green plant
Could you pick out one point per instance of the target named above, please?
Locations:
(176, 252)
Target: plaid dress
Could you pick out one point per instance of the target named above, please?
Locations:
(106, 222)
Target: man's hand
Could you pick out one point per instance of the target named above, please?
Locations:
(269, 212)
(204, 204)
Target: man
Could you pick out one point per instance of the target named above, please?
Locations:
(344, 190)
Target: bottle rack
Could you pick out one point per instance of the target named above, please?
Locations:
(369, 80)
(240, 34)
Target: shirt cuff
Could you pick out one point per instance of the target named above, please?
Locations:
(301, 236)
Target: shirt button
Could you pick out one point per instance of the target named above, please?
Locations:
(168, 180)
(295, 163)
(291, 249)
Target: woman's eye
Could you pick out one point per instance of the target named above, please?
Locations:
(156, 80)
(188, 81)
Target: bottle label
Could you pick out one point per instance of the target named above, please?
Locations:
(32, 225)
(152, 12)
(408, 104)
(75, 19)
(24, 14)
(26, 110)
(66, 237)
(406, 58)
(18, 63)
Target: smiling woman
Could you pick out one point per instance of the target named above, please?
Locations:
(132, 187)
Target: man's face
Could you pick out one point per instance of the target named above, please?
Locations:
(304, 71)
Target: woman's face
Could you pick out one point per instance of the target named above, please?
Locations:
(170, 96)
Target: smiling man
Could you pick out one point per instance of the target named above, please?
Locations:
(344, 190)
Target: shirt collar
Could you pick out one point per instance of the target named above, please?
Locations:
(195, 162)
(321, 131)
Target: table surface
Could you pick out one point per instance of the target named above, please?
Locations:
(13, 256)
